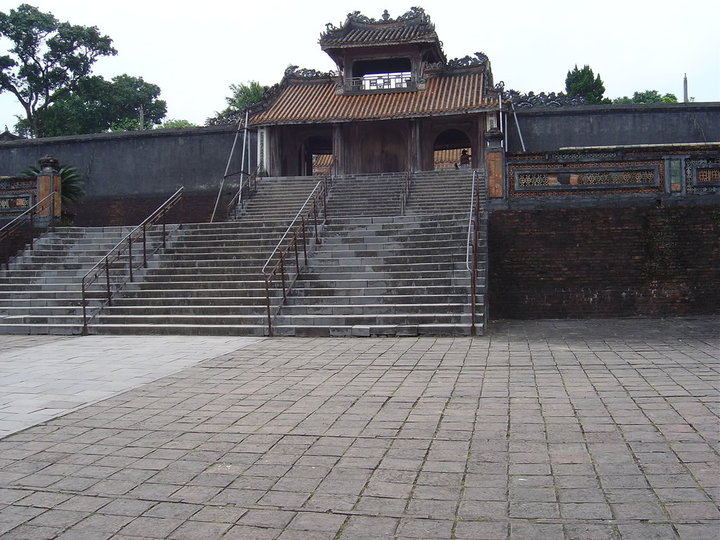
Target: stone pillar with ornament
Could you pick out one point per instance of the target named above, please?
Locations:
(495, 159)
(49, 182)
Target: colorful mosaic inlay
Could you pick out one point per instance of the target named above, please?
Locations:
(599, 178)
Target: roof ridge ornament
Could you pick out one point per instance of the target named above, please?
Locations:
(542, 99)
(480, 59)
(416, 16)
(307, 73)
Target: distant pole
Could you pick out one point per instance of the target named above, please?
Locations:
(142, 117)
(685, 92)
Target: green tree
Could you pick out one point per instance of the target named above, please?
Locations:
(173, 123)
(648, 96)
(584, 83)
(97, 106)
(243, 96)
(47, 58)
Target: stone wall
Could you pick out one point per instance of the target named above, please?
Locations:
(546, 128)
(604, 262)
(638, 175)
(127, 175)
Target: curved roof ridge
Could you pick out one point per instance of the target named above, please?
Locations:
(415, 23)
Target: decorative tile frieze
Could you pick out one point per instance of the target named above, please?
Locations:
(561, 179)
(702, 175)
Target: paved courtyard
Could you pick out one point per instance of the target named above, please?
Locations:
(549, 429)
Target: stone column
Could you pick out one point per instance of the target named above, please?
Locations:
(414, 148)
(49, 181)
(262, 150)
(338, 148)
(495, 158)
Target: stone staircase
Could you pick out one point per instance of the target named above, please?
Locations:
(40, 293)
(376, 272)
(209, 280)
(440, 192)
(275, 199)
(383, 276)
(390, 274)
(360, 195)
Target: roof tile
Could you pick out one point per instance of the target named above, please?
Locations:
(303, 102)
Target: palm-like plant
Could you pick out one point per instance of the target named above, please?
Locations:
(71, 181)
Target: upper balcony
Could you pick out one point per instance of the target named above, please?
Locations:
(379, 82)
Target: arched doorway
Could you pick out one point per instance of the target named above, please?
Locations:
(316, 156)
(448, 149)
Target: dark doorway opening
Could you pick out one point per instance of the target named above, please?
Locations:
(316, 156)
(448, 149)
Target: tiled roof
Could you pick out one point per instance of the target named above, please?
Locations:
(304, 102)
(358, 30)
(382, 34)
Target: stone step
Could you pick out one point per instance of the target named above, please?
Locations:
(244, 285)
(190, 319)
(163, 328)
(386, 252)
(148, 293)
(390, 330)
(223, 266)
(43, 319)
(37, 287)
(227, 227)
(376, 279)
(184, 301)
(373, 319)
(194, 277)
(401, 240)
(23, 328)
(386, 264)
(357, 300)
(321, 289)
(376, 274)
(145, 310)
(419, 308)
(41, 311)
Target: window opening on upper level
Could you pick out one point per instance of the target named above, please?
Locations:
(381, 74)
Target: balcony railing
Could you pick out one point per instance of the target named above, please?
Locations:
(380, 82)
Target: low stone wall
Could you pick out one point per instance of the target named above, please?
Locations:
(17, 194)
(547, 128)
(608, 176)
(604, 262)
(127, 175)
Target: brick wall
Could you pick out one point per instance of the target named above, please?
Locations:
(604, 262)
(16, 242)
(99, 212)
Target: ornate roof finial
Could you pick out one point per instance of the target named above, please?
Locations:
(385, 15)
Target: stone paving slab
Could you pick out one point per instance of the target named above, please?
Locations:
(48, 376)
(549, 429)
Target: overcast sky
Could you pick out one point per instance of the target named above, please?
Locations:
(195, 50)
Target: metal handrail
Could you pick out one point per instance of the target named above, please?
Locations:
(320, 184)
(227, 166)
(318, 196)
(473, 231)
(470, 221)
(117, 252)
(405, 193)
(12, 226)
(246, 180)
